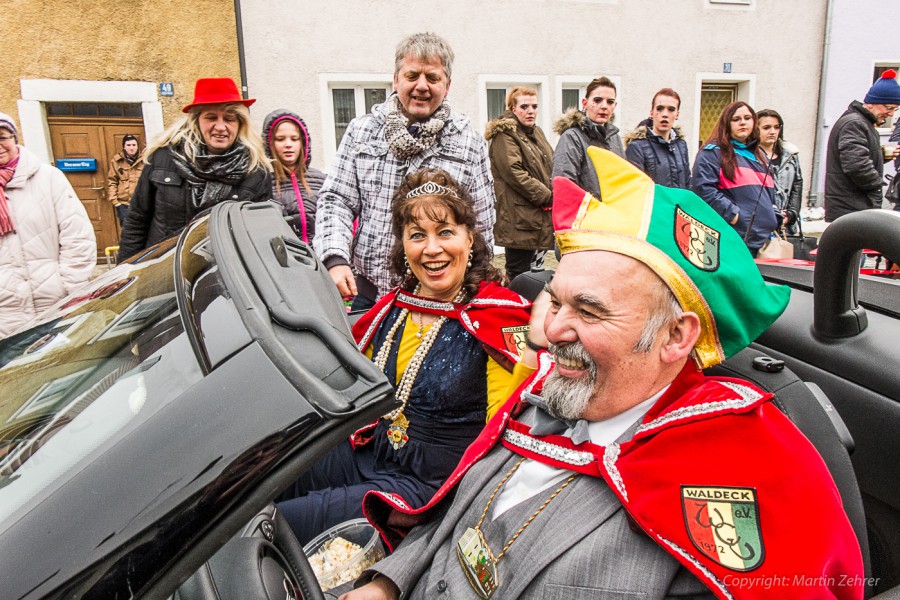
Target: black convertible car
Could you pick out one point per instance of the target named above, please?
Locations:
(148, 422)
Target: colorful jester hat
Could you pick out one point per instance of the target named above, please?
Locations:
(693, 250)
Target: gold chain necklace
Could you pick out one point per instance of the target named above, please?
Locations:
(478, 561)
(397, 430)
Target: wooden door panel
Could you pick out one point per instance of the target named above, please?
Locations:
(100, 140)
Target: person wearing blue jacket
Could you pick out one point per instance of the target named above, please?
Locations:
(731, 174)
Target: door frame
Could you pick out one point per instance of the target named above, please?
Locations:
(35, 92)
(746, 91)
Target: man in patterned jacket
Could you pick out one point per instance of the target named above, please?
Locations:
(413, 129)
(619, 469)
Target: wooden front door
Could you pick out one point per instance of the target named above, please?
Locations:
(100, 139)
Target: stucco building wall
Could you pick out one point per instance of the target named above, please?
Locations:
(139, 41)
(774, 46)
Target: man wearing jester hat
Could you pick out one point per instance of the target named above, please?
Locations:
(618, 467)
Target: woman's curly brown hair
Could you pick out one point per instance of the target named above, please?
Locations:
(437, 208)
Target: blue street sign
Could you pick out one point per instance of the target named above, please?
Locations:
(726, 67)
(166, 89)
(76, 164)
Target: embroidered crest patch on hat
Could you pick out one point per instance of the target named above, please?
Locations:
(674, 232)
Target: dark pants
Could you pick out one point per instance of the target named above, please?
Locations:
(366, 296)
(121, 211)
(518, 261)
(332, 492)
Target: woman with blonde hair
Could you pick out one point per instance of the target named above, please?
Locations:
(210, 156)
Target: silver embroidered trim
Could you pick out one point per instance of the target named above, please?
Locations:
(375, 322)
(499, 302)
(709, 575)
(748, 397)
(610, 456)
(394, 500)
(423, 303)
(554, 451)
(430, 188)
(545, 363)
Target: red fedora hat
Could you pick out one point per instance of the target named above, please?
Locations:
(216, 90)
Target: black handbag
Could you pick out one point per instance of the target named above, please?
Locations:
(892, 194)
(803, 245)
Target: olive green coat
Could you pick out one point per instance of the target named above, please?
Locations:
(521, 163)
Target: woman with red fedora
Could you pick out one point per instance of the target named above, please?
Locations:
(208, 157)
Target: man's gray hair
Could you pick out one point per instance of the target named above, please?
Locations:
(664, 312)
(425, 46)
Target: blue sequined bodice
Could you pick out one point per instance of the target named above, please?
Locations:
(451, 386)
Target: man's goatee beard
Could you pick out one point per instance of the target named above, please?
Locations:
(568, 398)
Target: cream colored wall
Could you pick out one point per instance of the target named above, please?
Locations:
(646, 43)
(138, 40)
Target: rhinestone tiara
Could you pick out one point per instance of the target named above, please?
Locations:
(430, 188)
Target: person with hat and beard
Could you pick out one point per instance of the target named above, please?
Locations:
(47, 243)
(210, 156)
(124, 172)
(854, 165)
(618, 467)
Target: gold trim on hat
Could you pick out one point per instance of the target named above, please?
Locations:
(708, 349)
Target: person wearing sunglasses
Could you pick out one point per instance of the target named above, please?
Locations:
(521, 162)
(591, 126)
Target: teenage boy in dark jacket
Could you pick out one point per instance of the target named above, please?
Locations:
(657, 146)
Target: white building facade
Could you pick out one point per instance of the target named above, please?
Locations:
(330, 61)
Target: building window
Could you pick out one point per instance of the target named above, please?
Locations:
(93, 109)
(351, 101)
(571, 97)
(493, 90)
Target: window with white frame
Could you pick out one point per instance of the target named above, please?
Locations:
(880, 67)
(342, 98)
(494, 89)
(349, 101)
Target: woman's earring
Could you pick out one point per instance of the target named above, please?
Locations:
(469, 264)
(408, 270)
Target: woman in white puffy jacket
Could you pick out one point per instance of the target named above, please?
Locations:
(47, 243)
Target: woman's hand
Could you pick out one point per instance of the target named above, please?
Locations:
(536, 334)
(380, 588)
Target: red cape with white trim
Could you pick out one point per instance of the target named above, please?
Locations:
(718, 477)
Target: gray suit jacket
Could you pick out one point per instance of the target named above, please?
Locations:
(580, 547)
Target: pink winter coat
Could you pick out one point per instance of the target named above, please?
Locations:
(53, 250)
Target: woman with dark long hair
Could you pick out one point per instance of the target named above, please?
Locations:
(731, 174)
(784, 159)
(447, 337)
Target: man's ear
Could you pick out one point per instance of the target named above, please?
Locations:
(683, 333)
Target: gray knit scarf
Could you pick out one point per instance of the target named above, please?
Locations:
(404, 144)
(212, 176)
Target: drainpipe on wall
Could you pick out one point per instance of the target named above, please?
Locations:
(814, 191)
(245, 93)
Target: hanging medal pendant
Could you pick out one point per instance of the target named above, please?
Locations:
(396, 432)
(478, 563)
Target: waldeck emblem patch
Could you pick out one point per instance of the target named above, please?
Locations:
(723, 523)
(514, 338)
(699, 243)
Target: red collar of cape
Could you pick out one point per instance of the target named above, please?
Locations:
(496, 316)
(709, 451)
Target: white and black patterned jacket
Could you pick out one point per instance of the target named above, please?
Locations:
(364, 176)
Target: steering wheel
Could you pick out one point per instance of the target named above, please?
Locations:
(264, 561)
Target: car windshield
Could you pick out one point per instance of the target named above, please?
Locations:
(75, 381)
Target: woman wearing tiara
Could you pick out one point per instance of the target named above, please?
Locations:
(447, 337)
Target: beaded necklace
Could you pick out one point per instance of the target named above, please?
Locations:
(399, 423)
(476, 557)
